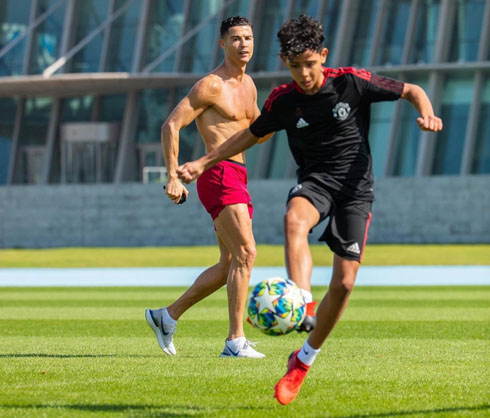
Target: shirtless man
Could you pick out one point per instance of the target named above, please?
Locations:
(223, 103)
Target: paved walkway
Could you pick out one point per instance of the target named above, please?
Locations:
(184, 276)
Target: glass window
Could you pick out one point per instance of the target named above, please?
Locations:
(330, 20)
(32, 139)
(34, 126)
(152, 113)
(90, 14)
(307, 7)
(14, 19)
(407, 138)
(281, 157)
(481, 156)
(425, 32)
(272, 16)
(165, 27)
(111, 108)
(76, 109)
(394, 32)
(8, 109)
(363, 32)
(456, 100)
(466, 30)
(47, 37)
(198, 52)
(189, 135)
(123, 37)
(379, 135)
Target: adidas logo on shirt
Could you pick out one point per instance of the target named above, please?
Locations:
(354, 248)
(302, 123)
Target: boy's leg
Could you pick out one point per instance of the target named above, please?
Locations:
(300, 218)
(329, 312)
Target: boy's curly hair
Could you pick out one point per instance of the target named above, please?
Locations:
(298, 35)
(233, 21)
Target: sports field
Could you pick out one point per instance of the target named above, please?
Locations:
(404, 351)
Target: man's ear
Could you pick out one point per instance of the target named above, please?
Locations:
(284, 60)
(221, 43)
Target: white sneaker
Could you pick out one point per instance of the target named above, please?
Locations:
(164, 332)
(245, 351)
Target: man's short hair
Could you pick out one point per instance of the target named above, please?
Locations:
(233, 21)
(298, 35)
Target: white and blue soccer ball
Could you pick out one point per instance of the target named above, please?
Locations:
(276, 306)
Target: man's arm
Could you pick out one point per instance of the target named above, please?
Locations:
(189, 108)
(238, 143)
(419, 100)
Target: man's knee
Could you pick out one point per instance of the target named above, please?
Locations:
(245, 255)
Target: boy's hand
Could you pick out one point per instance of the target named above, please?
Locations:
(430, 123)
(190, 171)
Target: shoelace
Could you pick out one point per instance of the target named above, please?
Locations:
(249, 343)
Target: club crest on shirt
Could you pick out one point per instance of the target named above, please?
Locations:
(341, 111)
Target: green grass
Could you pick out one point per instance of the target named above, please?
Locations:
(267, 255)
(397, 352)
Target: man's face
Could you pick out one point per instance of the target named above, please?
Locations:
(238, 44)
(307, 69)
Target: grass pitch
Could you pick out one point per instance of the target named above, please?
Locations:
(397, 352)
(267, 255)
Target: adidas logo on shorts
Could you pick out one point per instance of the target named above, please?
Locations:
(354, 248)
(302, 123)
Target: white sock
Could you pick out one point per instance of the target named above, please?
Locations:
(307, 296)
(167, 318)
(236, 343)
(308, 354)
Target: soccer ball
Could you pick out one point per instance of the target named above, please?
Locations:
(276, 306)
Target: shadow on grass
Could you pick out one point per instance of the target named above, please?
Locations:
(420, 411)
(147, 410)
(43, 355)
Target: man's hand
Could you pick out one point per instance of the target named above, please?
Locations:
(430, 123)
(175, 190)
(190, 171)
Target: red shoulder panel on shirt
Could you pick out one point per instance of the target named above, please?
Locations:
(278, 91)
(337, 72)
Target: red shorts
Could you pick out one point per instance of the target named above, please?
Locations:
(222, 185)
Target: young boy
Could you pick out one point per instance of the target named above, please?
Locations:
(326, 113)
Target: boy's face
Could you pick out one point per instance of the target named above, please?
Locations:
(238, 44)
(307, 69)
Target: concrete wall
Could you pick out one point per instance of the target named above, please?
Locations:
(407, 210)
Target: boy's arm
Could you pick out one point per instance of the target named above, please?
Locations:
(189, 108)
(419, 100)
(238, 143)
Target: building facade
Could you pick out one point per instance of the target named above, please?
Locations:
(86, 84)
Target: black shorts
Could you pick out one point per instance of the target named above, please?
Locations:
(349, 218)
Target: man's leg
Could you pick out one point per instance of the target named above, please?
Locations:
(164, 321)
(329, 312)
(300, 218)
(206, 283)
(234, 228)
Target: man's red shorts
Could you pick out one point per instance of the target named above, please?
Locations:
(222, 185)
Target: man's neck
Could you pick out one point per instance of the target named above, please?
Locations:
(232, 70)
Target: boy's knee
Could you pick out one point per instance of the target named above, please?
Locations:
(295, 224)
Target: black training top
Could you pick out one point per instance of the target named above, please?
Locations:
(328, 131)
